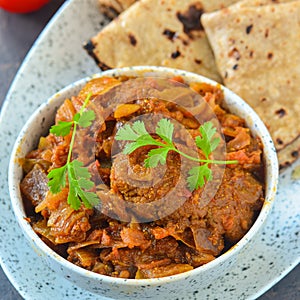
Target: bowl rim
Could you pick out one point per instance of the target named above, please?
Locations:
(269, 154)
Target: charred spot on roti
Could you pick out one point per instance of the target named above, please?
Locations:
(234, 53)
(280, 112)
(198, 61)
(279, 141)
(266, 32)
(185, 42)
(270, 55)
(175, 54)
(132, 39)
(110, 12)
(190, 19)
(112, 8)
(231, 41)
(290, 153)
(284, 165)
(263, 99)
(89, 47)
(170, 34)
(235, 67)
(251, 53)
(103, 66)
(249, 28)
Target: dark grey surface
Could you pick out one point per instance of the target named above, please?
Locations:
(17, 33)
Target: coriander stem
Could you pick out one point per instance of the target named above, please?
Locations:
(87, 99)
(217, 162)
(72, 143)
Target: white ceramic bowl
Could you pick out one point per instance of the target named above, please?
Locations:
(167, 287)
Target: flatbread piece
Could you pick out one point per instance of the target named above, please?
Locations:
(161, 33)
(247, 3)
(257, 54)
(112, 8)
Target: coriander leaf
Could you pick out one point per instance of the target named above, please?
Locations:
(57, 179)
(165, 130)
(86, 118)
(133, 133)
(139, 136)
(89, 199)
(197, 176)
(130, 147)
(62, 128)
(126, 133)
(139, 128)
(79, 170)
(76, 117)
(204, 142)
(78, 175)
(155, 156)
(78, 181)
(215, 143)
(145, 140)
(85, 183)
(73, 199)
(209, 129)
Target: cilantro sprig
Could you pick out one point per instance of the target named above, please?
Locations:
(138, 136)
(73, 171)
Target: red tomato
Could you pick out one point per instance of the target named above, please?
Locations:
(22, 6)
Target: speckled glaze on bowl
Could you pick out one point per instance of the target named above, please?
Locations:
(167, 287)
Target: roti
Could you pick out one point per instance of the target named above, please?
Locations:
(158, 32)
(247, 3)
(111, 8)
(258, 58)
(289, 154)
